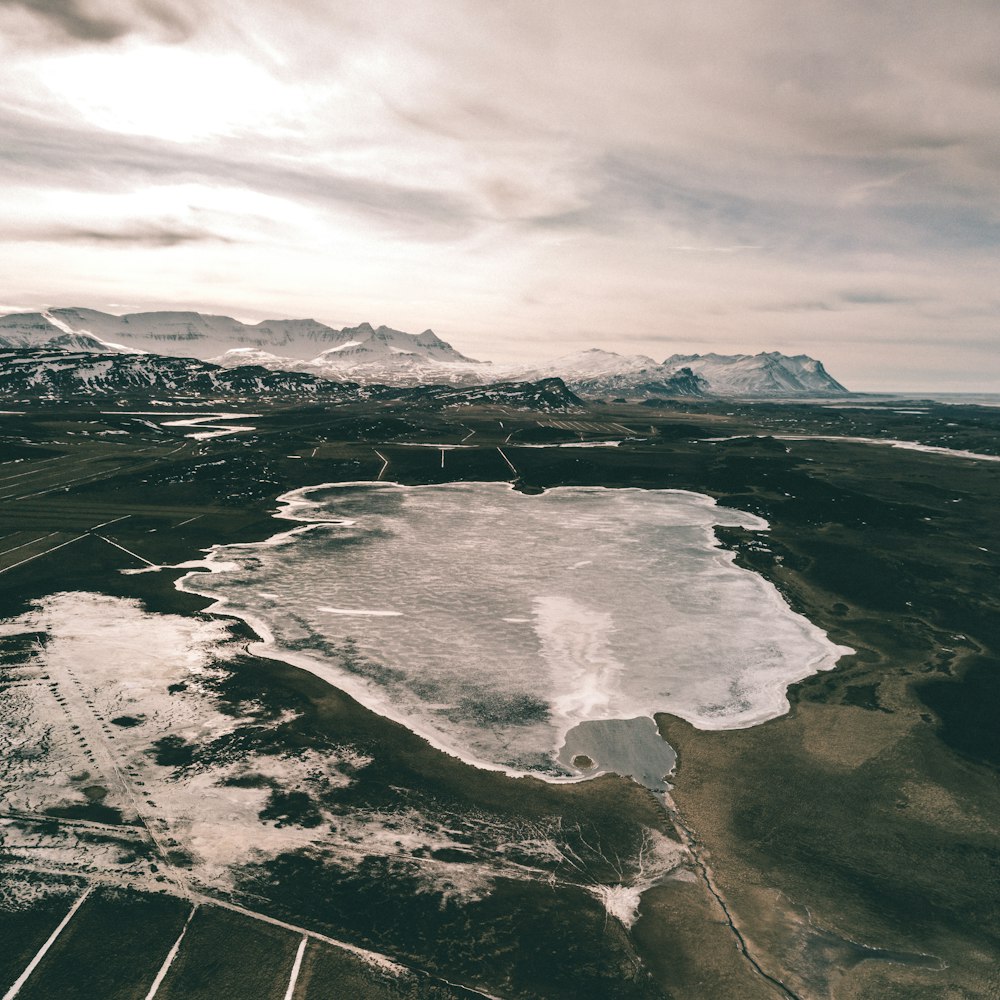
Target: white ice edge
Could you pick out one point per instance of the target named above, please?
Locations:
(890, 442)
(211, 420)
(570, 444)
(431, 444)
(513, 444)
(293, 505)
(212, 415)
(295, 499)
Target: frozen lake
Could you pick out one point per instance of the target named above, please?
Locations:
(496, 623)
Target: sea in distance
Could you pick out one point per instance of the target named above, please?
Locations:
(949, 398)
(525, 633)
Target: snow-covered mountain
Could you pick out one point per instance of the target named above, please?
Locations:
(240, 357)
(595, 363)
(384, 356)
(380, 356)
(365, 345)
(593, 374)
(51, 373)
(55, 374)
(380, 360)
(606, 375)
(766, 374)
(195, 335)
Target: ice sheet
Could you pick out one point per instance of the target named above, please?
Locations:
(517, 618)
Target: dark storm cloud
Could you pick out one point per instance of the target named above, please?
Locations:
(80, 22)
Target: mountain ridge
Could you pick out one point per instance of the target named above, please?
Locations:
(53, 374)
(381, 355)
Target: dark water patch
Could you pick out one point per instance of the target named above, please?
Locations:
(630, 747)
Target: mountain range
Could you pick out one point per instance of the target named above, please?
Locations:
(369, 355)
(40, 373)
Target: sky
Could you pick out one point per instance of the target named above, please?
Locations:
(526, 177)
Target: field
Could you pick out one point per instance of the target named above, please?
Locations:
(847, 849)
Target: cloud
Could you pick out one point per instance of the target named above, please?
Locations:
(71, 18)
(724, 175)
(82, 22)
(875, 297)
(793, 306)
(39, 153)
(141, 234)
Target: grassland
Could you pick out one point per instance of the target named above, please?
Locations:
(330, 972)
(25, 929)
(853, 841)
(111, 949)
(227, 956)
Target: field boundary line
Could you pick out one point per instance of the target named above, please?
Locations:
(508, 461)
(372, 957)
(171, 955)
(296, 966)
(32, 541)
(66, 484)
(39, 556)
(122, 547)
(31, 472)
(115, 520)
(40, 954)
(89, 531)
